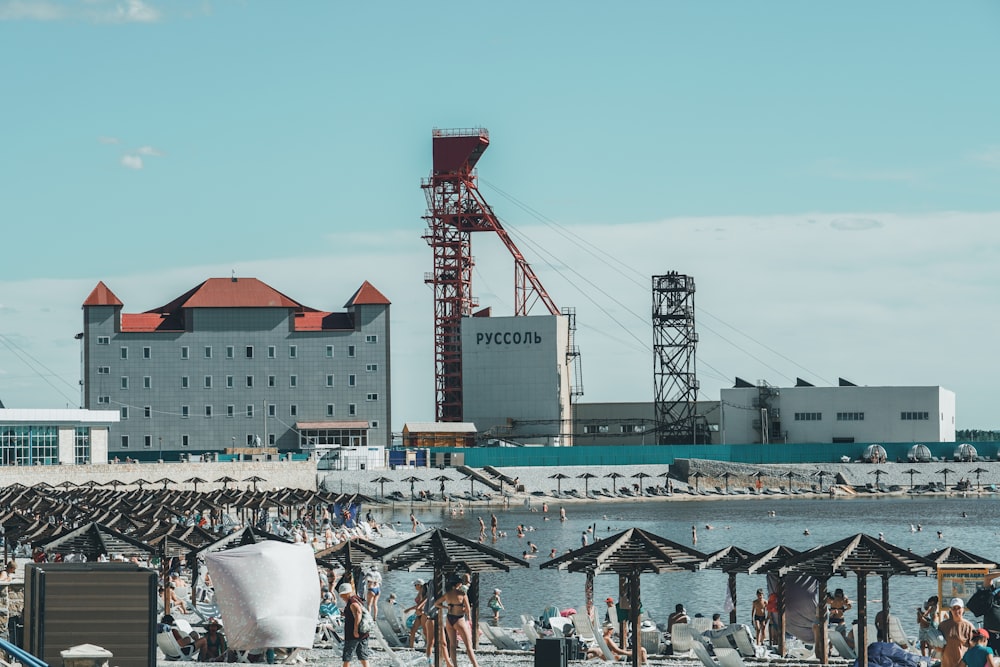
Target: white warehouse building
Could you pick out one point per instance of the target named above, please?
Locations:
(516, 378)
(804, 413)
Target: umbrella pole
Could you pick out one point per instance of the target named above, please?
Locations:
(732, 596)
(884, 636)
(633, 591)
(822, 624)
(861, 636)
(781, 616)
(474, 604)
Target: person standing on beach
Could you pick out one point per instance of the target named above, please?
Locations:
(957, 634)
(694, 535)
(355, 643)
(413, 521)
(758, 612)
(495, 605)
(493, 526)
(562, 513)
(482, 530)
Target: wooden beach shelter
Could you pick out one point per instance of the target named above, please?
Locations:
(860, 555)
(628, 554)
(955, 556)
(351, 555)
(94, 539)
(444, 553)
(765, 562)
(724, 558)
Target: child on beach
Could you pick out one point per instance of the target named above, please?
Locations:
(495, 604)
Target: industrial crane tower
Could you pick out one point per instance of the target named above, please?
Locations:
(674, 378)
(456, 209)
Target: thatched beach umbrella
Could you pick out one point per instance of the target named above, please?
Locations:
(821, 474)
(878, 472)
(790, 475)
(196, 481)
(559, 477)
(615, 476)
(586, 477)
(697, 476)
(911, 472)
(164, 481)
(641, 476)
(253, 480)
(977, 472)
(412, 479)
(726, 558)
(226, 480)
(628, 554)
(945, 472)
(381, 480)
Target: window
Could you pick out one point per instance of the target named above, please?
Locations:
(208, 410)
(229, 382)
(293, 410)
(914, 416)
(271, 381)
(208, 382)
(329, 380)
(352, 409)
(596, 428)
(272, 410)
(249, 351)
(352, 380)
(371, 368)
(230, 410)
(124, 382)
(271, 439)
(372, 397)
(185, 352)
(147, 411)
(330, 410)
(293, 380)
(272, 352)
(808, 416)
(103, 400)
(185, 411)
(850, 416)
(185, 440)
(185, 382)
(104, 340)
(124, 411)
(208, 351)
(147, 382)
(373, 424)
(230, 352)
(81, 446)
(124, 442)
(147, 441)
(124, 353)
(350, 350)
(104, 370)
(631, 428)
(250, 381)
(371, 338)
(146, 353)
(293, 351)
(250, 410)
(329, 351)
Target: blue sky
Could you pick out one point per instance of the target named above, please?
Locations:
(828, 172)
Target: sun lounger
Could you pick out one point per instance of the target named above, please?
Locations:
(172, 650)
(559, 625)
(500, 639)
(651, 639)
(682, 639)
(603, 645)
(387, 632)
(897, 634)
(729, 657)
(584, 628)
(702, 654)
(840, 645)
(401, 658)
(745, 643)
(700, 625)
(531, 632)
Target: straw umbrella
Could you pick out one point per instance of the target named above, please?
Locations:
(911, 472)
(559, 477)
(945, 472)
(629, 554)
(196, 481)
(412, 479)
(381, 480)
(790, 475)
(226, 480)
(586, 477)
(442, 479)
(615, 476)
(254, 479)
(977, 472)
(641, 476)
(164, 481)
(697, 474)
(726, 475)
(821, 474)
(878, 472)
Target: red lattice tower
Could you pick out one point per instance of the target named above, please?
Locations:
(455, 209)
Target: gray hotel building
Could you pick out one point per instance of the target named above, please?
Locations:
(234, 363)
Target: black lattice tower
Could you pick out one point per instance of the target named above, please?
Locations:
(674, 342)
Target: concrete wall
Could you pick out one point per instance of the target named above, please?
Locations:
(284, 474)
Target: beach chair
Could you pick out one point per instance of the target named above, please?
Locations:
(500, 639)
(584, 628)
(840, 645)
(700, 625)
(897, 634)
(682, 639)
(745, 643)
(651, 639)
(398, 659)
(531, 632)
(172, 650)
(729, 657)
(396, 622)
(559, 625)
(387, 632)
(605, 649)
(702, 654)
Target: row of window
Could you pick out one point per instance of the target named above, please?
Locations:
(850, 416)
(808, 416)
(918, 416)
(272, 350)
(604, 428)
(207, 383)
(857, 416)
(272, 409)
(253, 439)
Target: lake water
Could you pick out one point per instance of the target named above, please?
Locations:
(743, 523)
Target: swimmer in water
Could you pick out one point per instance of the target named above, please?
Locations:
(805, 532)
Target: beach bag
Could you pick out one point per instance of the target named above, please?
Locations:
(366, 624)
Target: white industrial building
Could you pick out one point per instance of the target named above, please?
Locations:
(31, 436)
(764, 413)
(516, 378)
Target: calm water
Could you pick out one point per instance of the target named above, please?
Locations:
(744, 523)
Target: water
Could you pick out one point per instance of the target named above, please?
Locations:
(743, 523)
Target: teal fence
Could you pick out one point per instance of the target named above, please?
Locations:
(478, 457)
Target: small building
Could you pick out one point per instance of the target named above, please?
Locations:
(54, 437)
(420, 435)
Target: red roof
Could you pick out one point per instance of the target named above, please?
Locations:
(140, 322)
(102, 296)
(367, 295)
(231, 293)
(319, 321)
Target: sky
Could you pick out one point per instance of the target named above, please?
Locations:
(828, 173)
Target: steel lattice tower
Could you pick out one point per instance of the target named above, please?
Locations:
(455, 209)
(674, 342)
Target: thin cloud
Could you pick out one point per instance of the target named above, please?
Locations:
(989, 157)
(130, 161)
(149, 150)
(108, 140)
(93, 11)
(854, 224)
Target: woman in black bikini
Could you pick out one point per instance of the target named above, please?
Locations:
(838, 604)
(455, 602)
